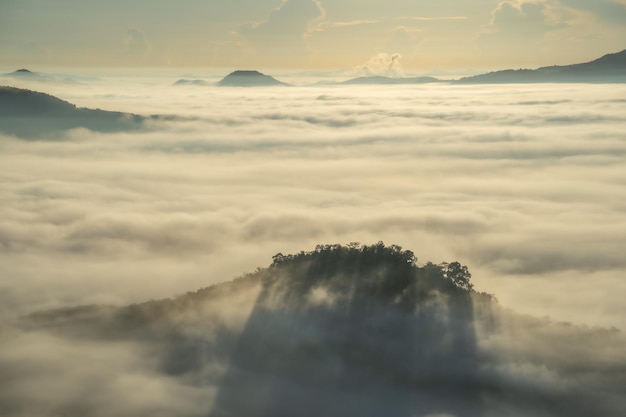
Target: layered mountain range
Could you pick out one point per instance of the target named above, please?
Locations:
(610, 68)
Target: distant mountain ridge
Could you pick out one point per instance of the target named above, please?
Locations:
(379, 79)
(21, 102)
(249, 78)
(28, 113)
(610, 68)
(184, 81)
(22, 71)
(26, 74)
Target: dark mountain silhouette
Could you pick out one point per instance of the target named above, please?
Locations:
(29, 76)
(352, 331)
(31, 114)
(23, 71)
(610, 68)
(242, 78)
(25, 74)
(390, 80)
(191, 82)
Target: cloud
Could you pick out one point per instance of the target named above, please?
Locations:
(347, 23)
(406, 39)
(524, 184)
(433, 19)
(96, 379)
(520, 186)
(225, 34)
(381, 64)
(136, 44)
(286, 29)
(522, 27)
(314, 340)
(525, 18)
(612, 11)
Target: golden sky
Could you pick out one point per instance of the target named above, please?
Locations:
(308, 34)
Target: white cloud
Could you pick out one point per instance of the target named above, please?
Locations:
(524, 184)
(381, 64)
(286, 29)
(612, 11)
(434, 19)
(522, 31)
(347, 23)
(137, 44)
(524, 18)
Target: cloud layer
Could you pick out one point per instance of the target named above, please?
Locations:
(337, 332)
(524, 184)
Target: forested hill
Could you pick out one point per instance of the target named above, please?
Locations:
(354, 331)
(32, 114)
(336, 331)
(19, 102)
(385, 275)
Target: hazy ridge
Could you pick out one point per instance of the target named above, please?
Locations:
(28, 113)
(610, 68)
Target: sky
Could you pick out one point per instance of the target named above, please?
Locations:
(446, 35)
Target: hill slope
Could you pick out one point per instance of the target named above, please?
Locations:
(31, 114)
(28, 75)
(610, 68)
(353, 331)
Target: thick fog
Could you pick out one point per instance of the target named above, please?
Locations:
(522, 183)
(341, 331)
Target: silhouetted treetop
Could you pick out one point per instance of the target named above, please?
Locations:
(387, 272)
(458, 274)
(354, 251)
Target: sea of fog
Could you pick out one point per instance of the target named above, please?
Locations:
(524, 184)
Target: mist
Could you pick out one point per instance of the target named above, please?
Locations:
(522, 183)
(340, 330)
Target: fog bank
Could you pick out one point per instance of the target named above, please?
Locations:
(522, 183)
